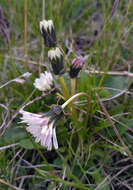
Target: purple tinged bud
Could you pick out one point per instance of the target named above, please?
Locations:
(76, 66)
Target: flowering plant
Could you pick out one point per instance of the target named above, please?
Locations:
(42, 127)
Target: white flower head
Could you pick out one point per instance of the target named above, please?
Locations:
(45, 82)
(48, 32)
(55, 53)
(56, 58)
(46, 24)
(43, 127)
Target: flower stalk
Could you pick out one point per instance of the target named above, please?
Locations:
(73, 86)
(70, 100)
(64, 87)
(66, 96)
(73, 97)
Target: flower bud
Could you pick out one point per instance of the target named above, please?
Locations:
(76, 66)
(26, 75)
(56, 58)
(48, 32)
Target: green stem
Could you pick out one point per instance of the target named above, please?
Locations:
(67, 95)
(76, 96)
(73, 97)
(73, 86)
(64, 87)
(60, 96)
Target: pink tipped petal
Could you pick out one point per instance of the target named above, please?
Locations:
(50, 146)
(55, 142)
(48, 140)
(44, 137)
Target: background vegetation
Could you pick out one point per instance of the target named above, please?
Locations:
(93, 157)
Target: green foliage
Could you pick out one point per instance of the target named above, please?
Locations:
(27, 144)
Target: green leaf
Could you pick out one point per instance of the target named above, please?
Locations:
(117, 82)
(13, 135)
(123, 52)
(104, 93)
(59, 180)
(100, 126)
(129, 123)
(117, 110)
(116, 147)
(58, 161)
(27, 144)
(121, 130)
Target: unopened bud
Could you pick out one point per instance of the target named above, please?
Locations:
(56, 58)
(48, 32)
(76, 66)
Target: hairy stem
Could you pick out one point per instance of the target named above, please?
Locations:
(73, 86)
(73, 97)
(64, 87)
